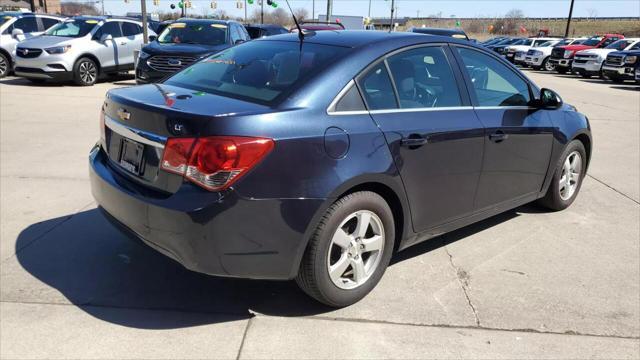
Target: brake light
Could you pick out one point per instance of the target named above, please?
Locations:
(216, 162)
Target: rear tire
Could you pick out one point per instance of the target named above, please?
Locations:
(85, 72)
(5, 65)
(567, 178)
(349, 251)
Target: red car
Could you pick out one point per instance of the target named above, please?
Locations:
(562, 56)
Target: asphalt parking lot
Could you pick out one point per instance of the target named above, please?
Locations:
(524, 284)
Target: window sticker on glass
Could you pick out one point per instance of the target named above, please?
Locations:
(91, 21)
(458, 36)
(429, 60)
(219, 26)
(178, 25)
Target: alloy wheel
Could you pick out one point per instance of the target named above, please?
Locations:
(549, 66)
(356, 249)
(88, 72)
(4, 66)
(570, 178)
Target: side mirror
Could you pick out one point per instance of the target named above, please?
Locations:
(106, 37)
(239, 41)
(17, 34)
(549, 99)
(152, 38)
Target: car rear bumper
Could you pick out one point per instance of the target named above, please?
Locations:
(214, 233)
(619, 72)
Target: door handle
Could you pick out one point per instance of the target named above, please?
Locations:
(123, 43)
(413, 141)
(498, 136)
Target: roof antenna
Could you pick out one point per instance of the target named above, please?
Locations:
(300, 33)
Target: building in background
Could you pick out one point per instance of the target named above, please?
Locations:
(41, 6)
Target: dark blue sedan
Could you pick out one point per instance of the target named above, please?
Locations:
(316, 161)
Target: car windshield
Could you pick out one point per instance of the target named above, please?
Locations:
(545, 44)
(258, 71)
(194, 33)
(593, 41)
(73, 28)
(619, 45)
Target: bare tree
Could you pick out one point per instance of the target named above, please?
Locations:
(514, 14)
(78, 8)
(221, 14)
(593, 13)
(301, 14)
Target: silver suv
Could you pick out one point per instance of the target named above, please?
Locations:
(81, 49)
(16, 27)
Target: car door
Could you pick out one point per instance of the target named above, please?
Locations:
(108, 52)
(132, 39)
(518, 138)
(435, 138)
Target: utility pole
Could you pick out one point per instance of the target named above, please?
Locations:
(313, 9)
(143, 8)
(369, 16)
(245, 11)
(102, 7)
(262, 11)
(566, 33)
(329, 9)
(393, 7)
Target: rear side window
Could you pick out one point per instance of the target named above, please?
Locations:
(258, 71)
(424, 79)
(49, 22)
(377, 88)
(131, 29)
(494, 83)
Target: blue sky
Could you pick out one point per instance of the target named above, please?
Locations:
(379, 8)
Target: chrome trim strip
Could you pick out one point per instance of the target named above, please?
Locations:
(390, 111)
(135, 134)
(504, 108)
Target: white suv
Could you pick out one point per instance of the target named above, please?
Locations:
(16, 27)
(589, 62)
(538, 57)
(81, 49)
(516, 53)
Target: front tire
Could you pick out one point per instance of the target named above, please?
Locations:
(349, 250)
(567, 178)
(5, 65)
(85, 72)
(548, 65)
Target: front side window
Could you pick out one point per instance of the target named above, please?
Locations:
(26, 24)
(635, 46)
(258, 71)
(494, 83)
(377, 88)
(424, 79)
(73, 28)
(112, 28)
(235, 34)
(194, 33)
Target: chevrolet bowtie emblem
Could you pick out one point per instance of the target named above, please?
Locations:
(123, 114)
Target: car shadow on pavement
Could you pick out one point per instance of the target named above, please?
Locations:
(117, 279)
(18, 81)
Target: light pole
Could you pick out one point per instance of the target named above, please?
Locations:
(262, 11)
(566, 33)
(393, 7)
(369, 16)
(313, 9)
(143, 9)
(329, 9)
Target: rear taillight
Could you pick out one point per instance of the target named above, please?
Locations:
(214, 162)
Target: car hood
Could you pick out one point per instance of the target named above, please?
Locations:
(155, 48)
(45, 41)
(626, 52)
(520, 47)
(601, 52)
(577, 47)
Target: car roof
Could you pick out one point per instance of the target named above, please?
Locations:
(265, 26)
(204, 21)
(437, 31)
(357, 38)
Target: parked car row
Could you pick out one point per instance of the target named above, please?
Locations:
(609, 56)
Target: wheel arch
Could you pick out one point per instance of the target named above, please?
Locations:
(9, 59)
(90, 56)
(389, 188)
(585, 139)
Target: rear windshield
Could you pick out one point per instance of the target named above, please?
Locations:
(73, 28)
(258, 71)
(184, 33)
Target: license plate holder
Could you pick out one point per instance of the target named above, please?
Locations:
(131, 156)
